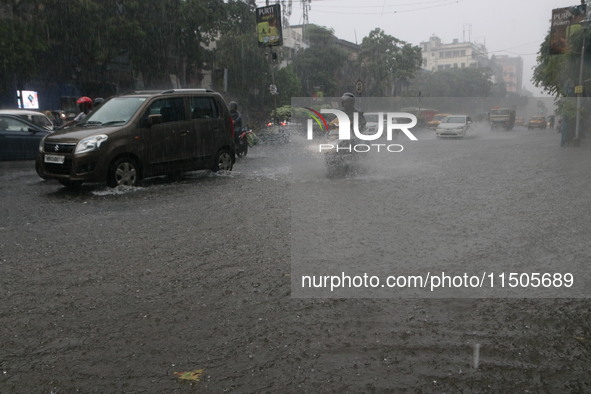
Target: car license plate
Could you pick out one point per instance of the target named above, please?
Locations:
(55, 159)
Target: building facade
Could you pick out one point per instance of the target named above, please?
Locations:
(512, 69)
(438, 56)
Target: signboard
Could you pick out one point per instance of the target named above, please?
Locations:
(563, 24)
(359, 86)
(27, 99)
(269, 28)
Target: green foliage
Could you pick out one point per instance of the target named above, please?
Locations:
(281, 113)
(19, 44)
(386, 61)
(557, 74)
(288, 84)
(317, 66)
(456, 82)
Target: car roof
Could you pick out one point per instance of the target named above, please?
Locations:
(21, 112)
(152, 93)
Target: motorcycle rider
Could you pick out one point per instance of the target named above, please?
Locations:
(342, 160)
(348, 104)
(237, 118)
(85, 104)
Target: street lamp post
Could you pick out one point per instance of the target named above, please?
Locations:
(579, 89)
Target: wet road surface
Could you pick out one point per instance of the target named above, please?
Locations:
(114, 290)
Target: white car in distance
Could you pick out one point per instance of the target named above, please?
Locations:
(453, 126)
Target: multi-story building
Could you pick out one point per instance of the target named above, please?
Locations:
(438, 56)
(512, 72)
(293, 41)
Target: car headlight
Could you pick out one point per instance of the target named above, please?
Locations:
(41, 144)
(89, 144)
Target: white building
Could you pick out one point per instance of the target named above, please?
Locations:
(438, 56)
(293, 41)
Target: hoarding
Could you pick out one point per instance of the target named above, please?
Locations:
(269, 28)
(564, 24)
(27, 99)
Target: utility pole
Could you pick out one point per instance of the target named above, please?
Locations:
(579, 88)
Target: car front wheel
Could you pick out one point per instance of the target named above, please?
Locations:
(123, 171)
(223, 161)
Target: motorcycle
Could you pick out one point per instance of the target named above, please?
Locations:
(241, 142)
(341, 159)
(245, 138)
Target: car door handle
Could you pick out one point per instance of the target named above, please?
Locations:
(184, 132)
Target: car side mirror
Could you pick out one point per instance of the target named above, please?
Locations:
(151, 120)
(32, 130)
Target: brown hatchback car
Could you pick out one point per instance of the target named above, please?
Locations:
(141, 135)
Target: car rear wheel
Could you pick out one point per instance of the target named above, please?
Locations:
(223, 161)
(123, 171)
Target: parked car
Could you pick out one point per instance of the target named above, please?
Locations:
(19, 138)
(39, 118)
(453, 126)
(433, 123)
(141, 135)
(537, 122)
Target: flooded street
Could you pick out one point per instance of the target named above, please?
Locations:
(114, 290)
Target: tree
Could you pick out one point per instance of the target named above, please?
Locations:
(289, 85)
(387, 62)
(19, 44)
(456, 82)
(558, 74)
(317, 66)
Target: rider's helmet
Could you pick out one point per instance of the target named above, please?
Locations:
(233, 105)
(83, 100)
(348, 100)
(84, 103)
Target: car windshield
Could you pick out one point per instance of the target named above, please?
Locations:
(116, 111)
(454, 119)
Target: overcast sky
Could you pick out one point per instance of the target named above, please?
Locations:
(507, 27)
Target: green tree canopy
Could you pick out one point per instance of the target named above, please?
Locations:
(456, 82)
(317, 66)
(386, 62)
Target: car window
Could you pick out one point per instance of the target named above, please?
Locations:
(42, 121)
(172, 109)
(203, 108)
(455, 119)
(11, 124)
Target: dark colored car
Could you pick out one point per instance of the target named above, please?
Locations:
(19, 138)
(39, 118)
(141, 135)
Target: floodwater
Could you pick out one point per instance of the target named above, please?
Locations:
(116, 290)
